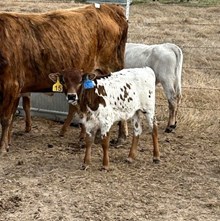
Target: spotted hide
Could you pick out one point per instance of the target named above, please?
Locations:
(34, 45)
(120, 96)
(166, 61)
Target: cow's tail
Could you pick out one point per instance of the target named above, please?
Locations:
(179, 66)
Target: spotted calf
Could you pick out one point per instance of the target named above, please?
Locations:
(106, 100)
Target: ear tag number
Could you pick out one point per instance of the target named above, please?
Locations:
(88, 84)
(57, 87)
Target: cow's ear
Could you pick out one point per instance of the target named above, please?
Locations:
(53, 76)
(99, 72)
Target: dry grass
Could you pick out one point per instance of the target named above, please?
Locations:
(42, 183)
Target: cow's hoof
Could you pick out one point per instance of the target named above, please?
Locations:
(27, 129)
(61, 133)
(121, 140)
(4, 151)
(104, 168)
(168, 130)
(156, 161)
(81, 144)
(129, 160)
(117, 143)
(84, 167)
(173, 126)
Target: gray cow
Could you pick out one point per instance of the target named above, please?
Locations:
(166, 61)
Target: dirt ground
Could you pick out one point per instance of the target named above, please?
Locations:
(40, 178)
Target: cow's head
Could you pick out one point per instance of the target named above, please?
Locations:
(72, 81)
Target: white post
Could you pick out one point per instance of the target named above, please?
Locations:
(127, 9)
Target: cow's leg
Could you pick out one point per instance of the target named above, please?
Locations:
(26, 102)
(71, 112)
(172, 120)
(178, 101)
(136, 134)
(7, 113)
(5, 133)
(123, 132)
(105, 147)
(11, 124)
(172, 103)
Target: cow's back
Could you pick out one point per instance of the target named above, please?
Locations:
(34, 45)
(127, 91)
(161, 58)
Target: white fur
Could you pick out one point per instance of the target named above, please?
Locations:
(142, 92)
(166, 61)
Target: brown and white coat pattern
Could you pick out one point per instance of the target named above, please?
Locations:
(120, 96)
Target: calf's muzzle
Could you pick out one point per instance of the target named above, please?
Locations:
(72, 98)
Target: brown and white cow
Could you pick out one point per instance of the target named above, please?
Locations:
(106, 100)
(34, 45)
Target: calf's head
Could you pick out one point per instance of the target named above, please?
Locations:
(71, 81)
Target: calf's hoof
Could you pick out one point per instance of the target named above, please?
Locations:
(156, 161)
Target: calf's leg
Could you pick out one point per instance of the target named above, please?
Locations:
(105, 147)
(133, 150)
(88, 145)
(156, 151)
(136, 133)
(153, 127)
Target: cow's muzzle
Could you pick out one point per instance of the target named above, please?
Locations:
(72, 98)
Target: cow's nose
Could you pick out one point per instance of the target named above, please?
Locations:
(72, 98)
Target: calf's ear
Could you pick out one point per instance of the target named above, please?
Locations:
(54, 76)
(89, 76)
(92, 76)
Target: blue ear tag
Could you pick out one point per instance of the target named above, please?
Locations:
(88, 84)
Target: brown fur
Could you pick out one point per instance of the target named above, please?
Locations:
(34, 45)
(90, 99)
